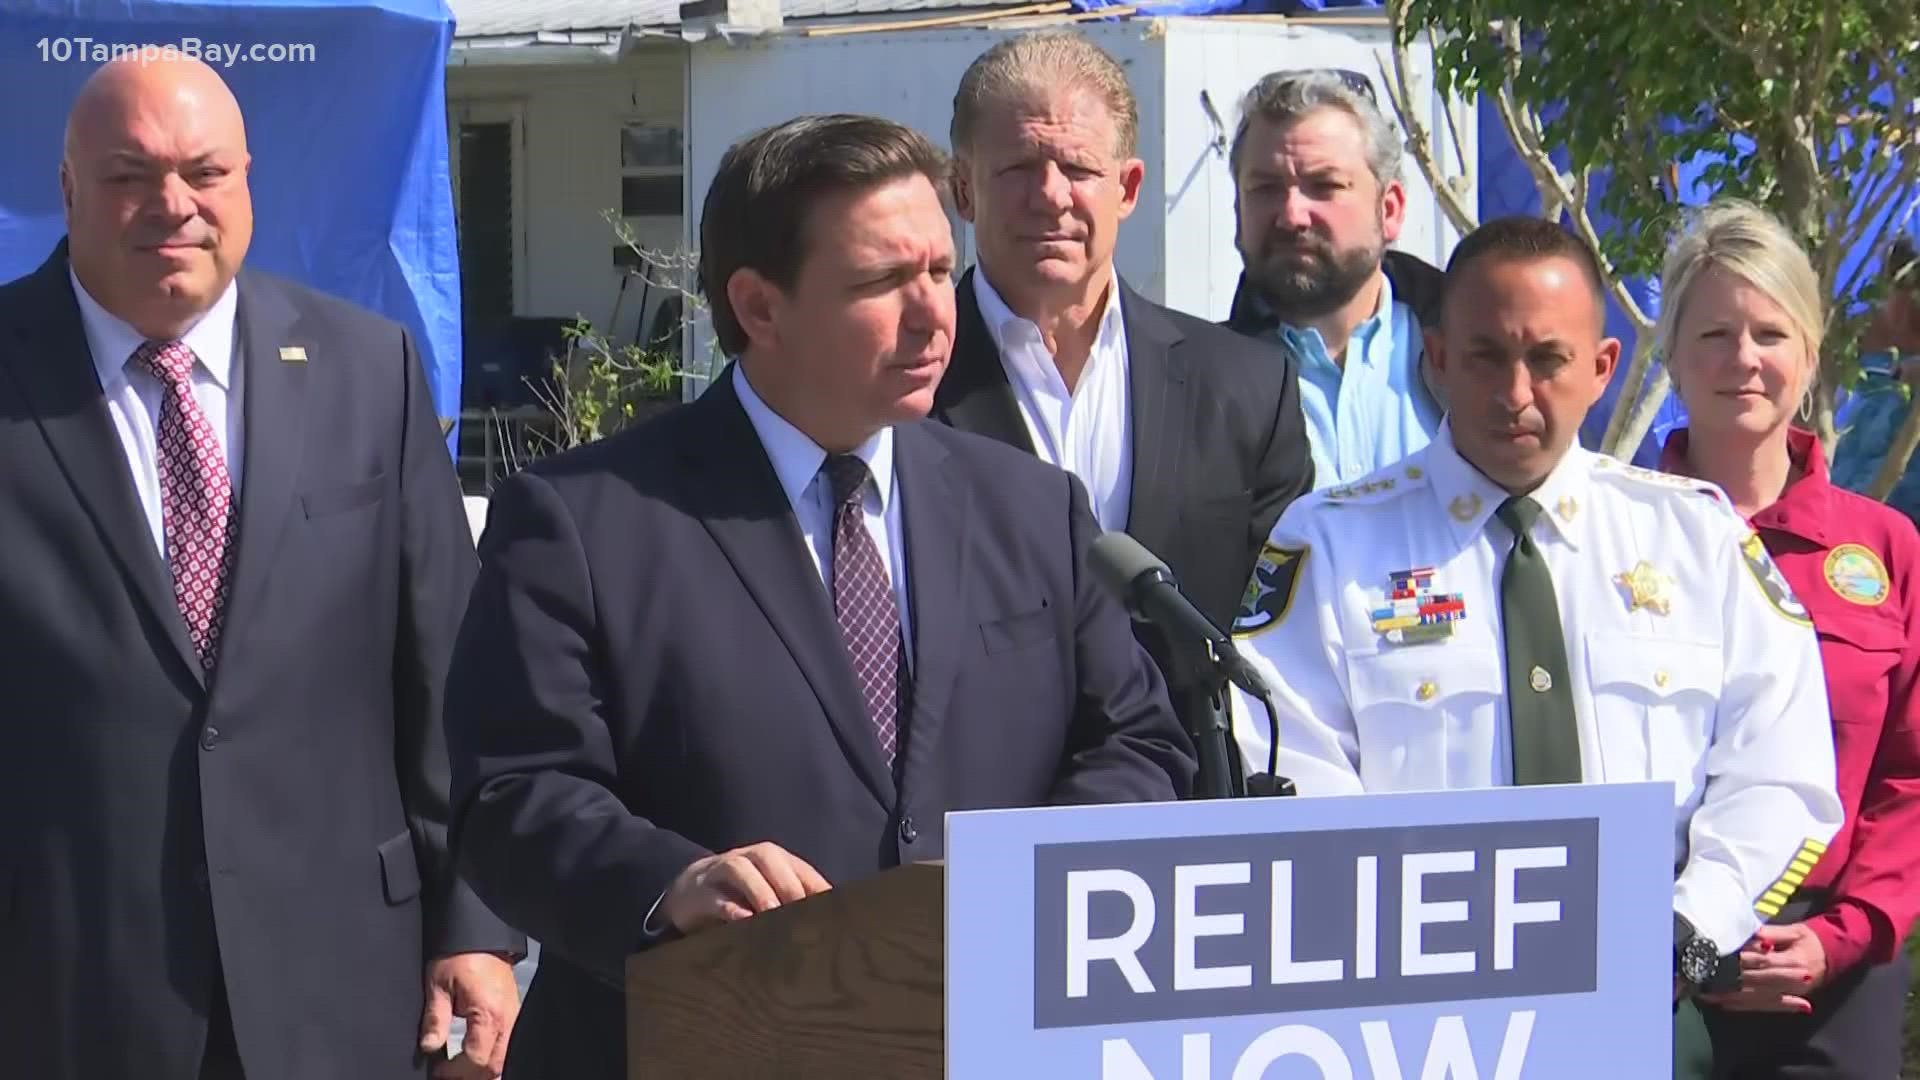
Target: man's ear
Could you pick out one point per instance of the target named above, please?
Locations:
(959, 183)
(1393, 211)
(1606, 360)
(1436, 348)
(1133, 173)
(756, 303)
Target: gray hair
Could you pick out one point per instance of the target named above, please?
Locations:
(1751, 244)
(1022, 68)
(1283, 97)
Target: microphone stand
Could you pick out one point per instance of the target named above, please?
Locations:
(1270, 782)
(1211, 732)
(1222, 773)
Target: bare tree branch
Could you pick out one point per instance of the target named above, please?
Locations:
(1400, 94)
(1639, 419)
(1521, 133)
(1813, 87)
(1728, 122)
(1764, 65)
(1453, 132)
(1899, 453)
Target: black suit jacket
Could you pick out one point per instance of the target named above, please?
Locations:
(1219, 450)
(650, 671)
(283, 825)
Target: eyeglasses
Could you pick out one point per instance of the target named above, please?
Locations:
(1352, 80)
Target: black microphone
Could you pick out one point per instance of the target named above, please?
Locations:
(1147, 589)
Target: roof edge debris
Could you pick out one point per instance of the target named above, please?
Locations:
(697, 20)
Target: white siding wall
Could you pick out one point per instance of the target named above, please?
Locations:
(571, 119)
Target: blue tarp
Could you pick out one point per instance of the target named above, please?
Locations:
(346, 121)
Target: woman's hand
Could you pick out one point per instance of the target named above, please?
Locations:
(1777, 969)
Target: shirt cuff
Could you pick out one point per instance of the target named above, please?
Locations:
(1717, 913)
(1846, 935)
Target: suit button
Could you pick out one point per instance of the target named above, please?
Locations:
(209, 737)
(908, 833)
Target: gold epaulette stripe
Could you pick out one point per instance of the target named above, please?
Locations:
(1789, 882)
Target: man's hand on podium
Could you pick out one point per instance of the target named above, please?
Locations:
(737, 884)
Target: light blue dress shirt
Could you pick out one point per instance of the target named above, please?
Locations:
(797, 460)
(1375, 410)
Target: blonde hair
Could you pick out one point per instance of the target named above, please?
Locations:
(1748, 242)
(1020, 69)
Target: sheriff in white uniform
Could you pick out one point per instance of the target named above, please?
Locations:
(1375, 616)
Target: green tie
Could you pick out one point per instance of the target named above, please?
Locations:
(1546, 742)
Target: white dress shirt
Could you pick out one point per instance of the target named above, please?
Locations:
(133, 394)
(797, 460)
(1087, 431)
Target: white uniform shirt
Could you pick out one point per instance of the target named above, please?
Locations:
(1087, 431)
(1690, 659)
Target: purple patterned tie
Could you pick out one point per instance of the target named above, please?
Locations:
(863, 600)
(196, 497)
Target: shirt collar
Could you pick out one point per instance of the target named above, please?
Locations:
(797, 458)
(1468, 498)
(1002, 322)
(1804, 509)
(1307, 341)
(113, 341)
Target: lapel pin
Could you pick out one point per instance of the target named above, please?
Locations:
(293, 354)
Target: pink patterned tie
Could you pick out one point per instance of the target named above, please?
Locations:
(196, 497)
(863, 601)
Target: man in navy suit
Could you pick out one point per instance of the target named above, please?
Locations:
(761, 644)
(234, 564)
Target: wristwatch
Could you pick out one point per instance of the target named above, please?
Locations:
(1695, 958)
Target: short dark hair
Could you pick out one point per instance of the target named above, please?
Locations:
(1527, 239)
(757, 208)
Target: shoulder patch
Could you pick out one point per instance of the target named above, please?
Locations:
(1857, 575)
(1269, 595)
(1773, 584)
(1607, 466)
(1372, 489)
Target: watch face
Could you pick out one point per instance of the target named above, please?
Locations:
(1698, 960)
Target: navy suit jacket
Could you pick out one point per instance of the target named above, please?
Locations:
(650, 671)
(281, 826)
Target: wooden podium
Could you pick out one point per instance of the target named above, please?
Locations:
(848, 983)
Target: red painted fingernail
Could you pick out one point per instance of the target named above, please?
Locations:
(1766, 946)
(1806, 978)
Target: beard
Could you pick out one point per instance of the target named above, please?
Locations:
(1305, 277)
